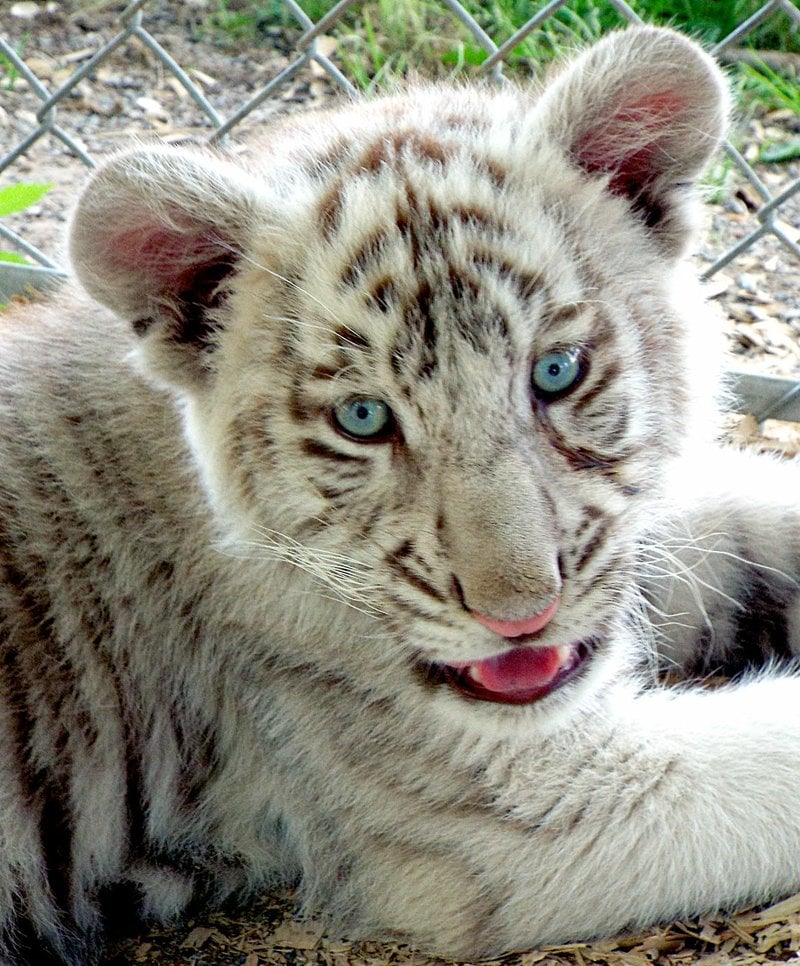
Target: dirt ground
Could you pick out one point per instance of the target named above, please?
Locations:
(130, 97)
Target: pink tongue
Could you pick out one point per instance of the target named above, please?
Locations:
(520, 669)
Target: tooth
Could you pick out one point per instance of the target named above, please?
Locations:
(565, 652)
(474, 673)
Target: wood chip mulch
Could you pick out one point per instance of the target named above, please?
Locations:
(273, 938)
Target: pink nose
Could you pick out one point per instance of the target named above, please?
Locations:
(517, 628)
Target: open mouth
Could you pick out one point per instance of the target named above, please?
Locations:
(520, 675)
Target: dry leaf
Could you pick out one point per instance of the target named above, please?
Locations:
(199, 936)
(75, 56)
(152, 108)
(297, 935)
(327, 47)
(25, 9)
(202, 79)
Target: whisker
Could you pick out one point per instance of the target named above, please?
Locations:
(344, 575)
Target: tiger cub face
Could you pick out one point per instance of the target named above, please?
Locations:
(428, 350)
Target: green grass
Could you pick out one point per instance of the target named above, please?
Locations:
(391, 38)
(381, 38)
(770, 90)
(773, 90)
(710, 20)
(718, 181)
(8, 72)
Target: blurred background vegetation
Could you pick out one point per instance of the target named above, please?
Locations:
(391, 37)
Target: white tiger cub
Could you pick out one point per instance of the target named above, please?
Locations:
(324, 550)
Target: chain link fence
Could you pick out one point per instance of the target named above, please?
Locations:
(760, 395)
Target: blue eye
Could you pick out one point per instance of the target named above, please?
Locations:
(555, 373)
(364, 419)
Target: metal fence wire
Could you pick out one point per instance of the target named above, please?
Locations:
(762, 395)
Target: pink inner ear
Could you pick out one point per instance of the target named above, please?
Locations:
(628, 142)
(166, 259)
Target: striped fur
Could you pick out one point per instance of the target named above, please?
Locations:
(232, 629)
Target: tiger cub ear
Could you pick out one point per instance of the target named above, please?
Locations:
(644, 109)
(155, 236)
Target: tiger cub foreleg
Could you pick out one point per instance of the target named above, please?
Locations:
(723, 575)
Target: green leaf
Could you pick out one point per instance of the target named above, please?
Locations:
(782, 151)
(17, 197)
(12, 257)
(474, 56)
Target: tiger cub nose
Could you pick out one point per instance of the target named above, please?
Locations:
(530, 625)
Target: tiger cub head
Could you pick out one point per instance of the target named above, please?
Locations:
(430, 344)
